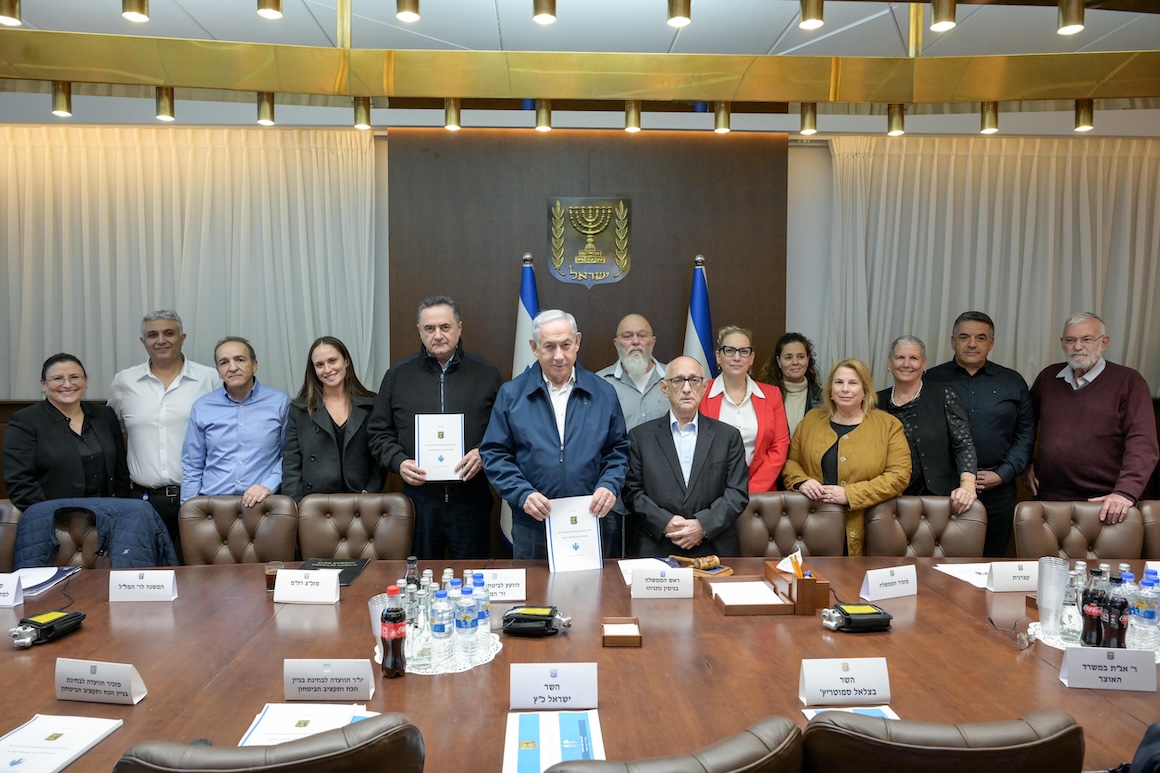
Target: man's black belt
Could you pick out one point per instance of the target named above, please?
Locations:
(166, 491)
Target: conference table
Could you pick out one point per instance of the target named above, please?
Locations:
(211, 659)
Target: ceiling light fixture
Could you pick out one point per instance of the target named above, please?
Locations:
(721, 117)
(989, 117)
(809, 118)
(1070, 17)
(266, 108)
(135, 10)
(895, 120)
(407, 10)
(451, 114)
(62, 99)
(543, 115)
(544, 11)
(164, 101)
(1085, 115)
(942, 15)
(10, 13)
(270, 9)
(362, 113)
(632, 115)
(811, 15)
(680, 13)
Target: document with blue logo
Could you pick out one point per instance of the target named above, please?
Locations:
(48, 743)
(439, 444)
(537, 740)
(573, 536)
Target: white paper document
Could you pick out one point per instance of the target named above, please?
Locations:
(48, 743)
(975, 574)
(745, 593)
(535, 741)
(628, 565)
(439, 444)
(281, 722)
(883, 712)
(38, 579)
(573, 536)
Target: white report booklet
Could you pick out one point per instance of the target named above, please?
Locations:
(281, 722)
(48, 743)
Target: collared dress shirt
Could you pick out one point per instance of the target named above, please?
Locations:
(639, 405)
(685, 439)
(560, 397)
(233, 445)
(156, 417)
(1068, 375)
(743, 416)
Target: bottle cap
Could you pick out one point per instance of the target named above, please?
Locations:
(440, 594)
(455, 583)
(392, 590)
(466, 591)
(1127, 576)
(478, 581)
(412, 558)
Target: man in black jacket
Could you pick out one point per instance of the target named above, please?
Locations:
(450, 515)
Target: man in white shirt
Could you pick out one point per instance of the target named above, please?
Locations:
(152, 401)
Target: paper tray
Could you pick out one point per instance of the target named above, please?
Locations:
(730, 610)
(612, 640)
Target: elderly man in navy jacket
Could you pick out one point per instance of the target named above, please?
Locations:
(556, 430)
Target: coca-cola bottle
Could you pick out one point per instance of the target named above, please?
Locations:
(394, 635)
(1115, 616)
(1093, 603)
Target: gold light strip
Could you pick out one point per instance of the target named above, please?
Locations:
(811, 15)
(1085, 115)
(632, 115)
(362, 113)
(164, 100)
(407, 11)
(895, 120)
(270, 9)
(62, 99)
(1070, 17)
(721, 117)
(680, 13)
(451, 114)
(135, 10)
(809, 119)
(10, 13)
(266, 108)
(942, 15)
(543, 115)
(989, 117)
(544, 11)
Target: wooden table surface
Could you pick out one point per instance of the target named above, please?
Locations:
(211, 659)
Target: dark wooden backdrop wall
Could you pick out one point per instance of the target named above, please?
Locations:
(465, 206)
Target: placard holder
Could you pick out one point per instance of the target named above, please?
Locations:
(808, 594)
(734, 610)
(11, 590)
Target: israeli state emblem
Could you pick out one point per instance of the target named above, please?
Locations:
(589, 240)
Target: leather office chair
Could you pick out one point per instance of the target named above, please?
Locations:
(773, 745)
(9, 517)
(218, 530)
(925, 526)
(76, 533)
(1074, 530)
(1044, 740)
(386, 742)
(356, 526)
(1150, 513)
(778, 522)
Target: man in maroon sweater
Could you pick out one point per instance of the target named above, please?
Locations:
(1097, 432)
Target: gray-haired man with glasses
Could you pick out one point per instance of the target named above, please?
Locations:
(687, 477)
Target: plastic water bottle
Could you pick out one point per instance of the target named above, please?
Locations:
(1142, 629)
(419, 638)
(466, 625)
(442, 629)
(1069, 617)
(482, 598)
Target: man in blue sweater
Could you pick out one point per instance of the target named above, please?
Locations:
(556, 430)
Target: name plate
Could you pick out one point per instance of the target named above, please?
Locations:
(844, 681)
(506, 584)
(328, 680)
(1006, 576)
(1096, 668)
(95, 681)
(153, 585)
(313, 586)
(553, 686)
(889, 583)
(662, 583)
(11, 592)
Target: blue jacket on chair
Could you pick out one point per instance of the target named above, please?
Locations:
(130, 532)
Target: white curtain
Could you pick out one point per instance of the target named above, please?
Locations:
(263, 233)
(1026, 230)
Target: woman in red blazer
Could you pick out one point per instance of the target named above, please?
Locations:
(753, 408)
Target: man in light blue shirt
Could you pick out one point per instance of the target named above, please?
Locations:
(233, 445)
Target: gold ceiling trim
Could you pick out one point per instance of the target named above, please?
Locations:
(131, 60)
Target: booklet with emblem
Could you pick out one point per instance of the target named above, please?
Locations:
(348, 568)
(48, 743)
(536, 740)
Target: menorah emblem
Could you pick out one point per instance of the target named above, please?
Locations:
(590, 220)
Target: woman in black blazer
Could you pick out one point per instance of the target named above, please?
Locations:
(326, 449)
(63, 447)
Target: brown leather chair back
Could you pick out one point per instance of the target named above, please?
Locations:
(386, 742)
(76, 533)
(778, 522)
(356, 526)
(1045, 740)
(1150, 513)
(218, 530)
(925, 526)
(9, 518)
(773, 745)
(1074, 530)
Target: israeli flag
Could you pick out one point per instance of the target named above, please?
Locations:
(527, 309)
(699, 327)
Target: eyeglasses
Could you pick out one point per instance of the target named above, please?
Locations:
(62, 380)
(1021, 640)
(677, 382)
(1069, 341)
(732, 351)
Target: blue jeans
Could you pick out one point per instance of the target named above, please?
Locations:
(529, 543)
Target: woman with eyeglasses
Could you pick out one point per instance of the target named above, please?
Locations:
(755, 409)
(792, 370)
(849, 452)
(63, 447)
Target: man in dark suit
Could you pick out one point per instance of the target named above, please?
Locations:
(687, 478)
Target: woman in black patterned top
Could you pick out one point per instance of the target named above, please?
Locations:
(943, 461)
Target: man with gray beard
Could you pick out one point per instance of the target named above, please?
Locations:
(636, 376)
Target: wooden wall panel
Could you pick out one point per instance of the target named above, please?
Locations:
(465, 206)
